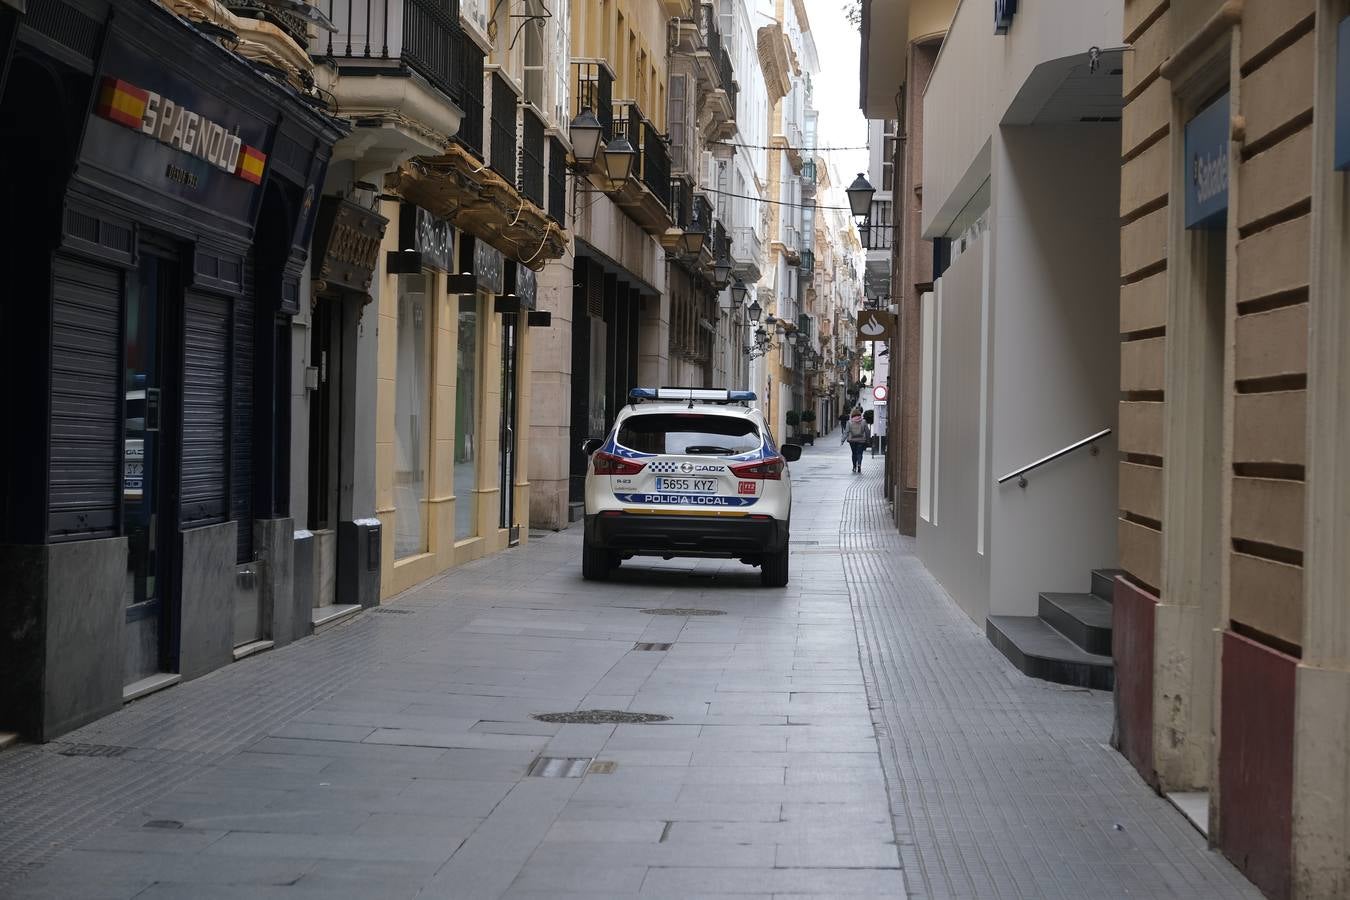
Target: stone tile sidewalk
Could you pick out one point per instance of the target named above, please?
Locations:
(389, 757)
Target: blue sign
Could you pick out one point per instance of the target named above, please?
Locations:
(1004, 10)
(1207, 166)
(1342, 153)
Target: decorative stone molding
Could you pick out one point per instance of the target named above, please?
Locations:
(259, 40)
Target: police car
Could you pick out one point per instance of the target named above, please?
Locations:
(688, 472)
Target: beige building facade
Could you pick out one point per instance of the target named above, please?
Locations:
(1233, 621)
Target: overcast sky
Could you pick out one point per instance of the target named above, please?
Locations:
(836, 94)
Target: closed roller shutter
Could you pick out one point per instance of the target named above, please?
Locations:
(241, 434)
(206, 348)
(86, 400)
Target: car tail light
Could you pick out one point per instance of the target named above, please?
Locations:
(770, 469)
(609, 464)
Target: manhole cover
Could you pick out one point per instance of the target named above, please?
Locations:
(683, 611)
(600, 717)
(559, 767)
(651, 646)
(92, 750)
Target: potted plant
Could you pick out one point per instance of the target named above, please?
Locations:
(793, 419)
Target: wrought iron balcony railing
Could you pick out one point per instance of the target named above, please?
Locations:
(532, 156)
(470, 94)
(502, 128)
(653, 162)
(681, 199)
(423, 34)
(708, 30)
(595, 91)
(557, 180)
(702, 218)
(727, 73)
(293, 24)
(808, 262)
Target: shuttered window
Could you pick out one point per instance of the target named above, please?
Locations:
(241, 432)
(679, 123)
(86, 401)
(206, 349)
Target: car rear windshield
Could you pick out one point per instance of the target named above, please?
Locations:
(689, 433)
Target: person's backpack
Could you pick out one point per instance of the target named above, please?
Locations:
(857, 428)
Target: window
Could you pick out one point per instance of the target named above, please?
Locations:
(689, 433)
(412, 415)
(888, 155)
(466, 421)
(533, 35)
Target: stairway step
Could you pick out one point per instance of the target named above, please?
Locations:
(1104, 582)
(1042, 652)
(1084, 619)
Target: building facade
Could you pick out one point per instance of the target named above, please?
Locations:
(146, 528)
(1232, 619)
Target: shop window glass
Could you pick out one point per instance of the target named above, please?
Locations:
(412, 416)
(466, 422)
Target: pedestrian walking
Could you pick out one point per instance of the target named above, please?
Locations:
(858, 434)
(843, 427)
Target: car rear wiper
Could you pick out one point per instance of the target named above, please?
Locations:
(700, 448)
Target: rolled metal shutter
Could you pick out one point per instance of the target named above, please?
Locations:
(206, 357)
(86, 401)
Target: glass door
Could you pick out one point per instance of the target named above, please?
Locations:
(510, 325)
(147, 503)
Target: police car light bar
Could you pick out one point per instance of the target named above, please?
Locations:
(691, 394)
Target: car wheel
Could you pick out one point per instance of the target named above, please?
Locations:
(594, 562)
(773, 571)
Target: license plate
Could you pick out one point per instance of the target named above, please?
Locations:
(687, 485)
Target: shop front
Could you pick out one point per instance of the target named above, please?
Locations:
(145, 535)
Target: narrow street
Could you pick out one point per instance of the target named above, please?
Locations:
(852, 734)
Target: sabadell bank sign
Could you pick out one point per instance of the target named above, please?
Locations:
(1207, 166)
(175, 125)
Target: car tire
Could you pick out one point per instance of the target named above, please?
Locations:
(773, 571)
(595, 562)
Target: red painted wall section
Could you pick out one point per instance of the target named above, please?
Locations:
(1132, 618)
(1256, 762)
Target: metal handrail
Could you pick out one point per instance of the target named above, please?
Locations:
(1022, 482)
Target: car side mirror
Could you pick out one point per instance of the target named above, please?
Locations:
(590, 445)
(791, 452)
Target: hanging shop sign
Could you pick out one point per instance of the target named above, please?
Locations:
(1004, 10)
(487, 266)
(875, 325)
(1206, 163)
(521, 283)
(1342, 150)
(346, 245)
(423, 233)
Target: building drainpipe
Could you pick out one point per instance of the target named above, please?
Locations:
(895, 425)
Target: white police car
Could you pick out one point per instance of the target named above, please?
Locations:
(688, 472)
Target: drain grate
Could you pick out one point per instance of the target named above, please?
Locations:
(684, 611)
(803, 543)
(602, 767)
(559, 767)
(650, 646)
(92, 750)
(392, 612)
(600, 717)
(163, 823)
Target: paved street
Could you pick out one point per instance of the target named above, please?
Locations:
(852, 734)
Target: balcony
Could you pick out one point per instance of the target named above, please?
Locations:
(645, 196)
(702, 41)
(595, 91)
(557, 180)
(420, 43)
(808, 262)
(503, 103)
(532, 146)
(809, 178)
(747, 253)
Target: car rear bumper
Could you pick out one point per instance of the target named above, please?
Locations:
(713, 536)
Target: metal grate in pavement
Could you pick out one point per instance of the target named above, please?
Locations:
(648, 645)
(600, 717)
(91, 750)
(684, 611)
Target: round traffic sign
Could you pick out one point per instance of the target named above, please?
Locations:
(879, 392)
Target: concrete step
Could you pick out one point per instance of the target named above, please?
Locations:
(1042, 652)
(1104, 582)
(1084, 619)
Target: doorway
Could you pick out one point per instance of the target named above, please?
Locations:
(149, 494)
(325, 444)
(510, 334)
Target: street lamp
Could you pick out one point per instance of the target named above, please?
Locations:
(584, 133)
(792, 338)
(754, 310)
(722, 270)
(860, 198)
(693, 240)
(619, 159)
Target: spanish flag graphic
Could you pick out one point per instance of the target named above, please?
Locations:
(122, 102)
(252, 161)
